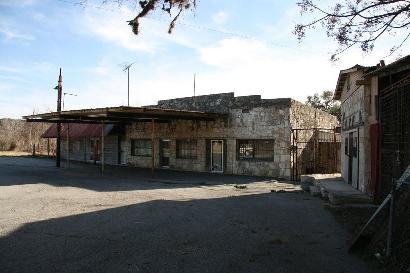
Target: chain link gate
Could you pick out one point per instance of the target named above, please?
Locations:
(315, 150)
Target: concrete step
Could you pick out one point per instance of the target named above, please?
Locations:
(314, 190)
(344, 197)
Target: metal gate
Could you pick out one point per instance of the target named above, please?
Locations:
(315, 150)
(394, 132)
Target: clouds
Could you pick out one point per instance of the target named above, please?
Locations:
(9, 34)
(249, 66)
(220, 17)
(90, 43)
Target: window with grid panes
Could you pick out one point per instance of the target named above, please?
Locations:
(186, 148)
(258, 149)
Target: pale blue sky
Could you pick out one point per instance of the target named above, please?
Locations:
(231, 46)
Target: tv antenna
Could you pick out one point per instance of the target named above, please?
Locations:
(67, 94)
(126, 67)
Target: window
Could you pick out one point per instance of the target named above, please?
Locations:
(259, 149)
(141, 147)
(186, 148)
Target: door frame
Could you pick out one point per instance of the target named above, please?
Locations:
(222, 155)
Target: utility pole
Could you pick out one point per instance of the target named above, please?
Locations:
(59, 88)
(194, 83)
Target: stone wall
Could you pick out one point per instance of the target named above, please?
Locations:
(248, 118)
(305, 117)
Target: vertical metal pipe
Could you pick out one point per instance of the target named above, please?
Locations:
(128, 86)
(152, 146)
(102, 146)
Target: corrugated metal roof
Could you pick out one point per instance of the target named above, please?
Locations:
(122, 114)
(77, 130)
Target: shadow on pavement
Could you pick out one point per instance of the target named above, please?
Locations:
(254, 233)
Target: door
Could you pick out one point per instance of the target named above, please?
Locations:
(355, 160)
(164, 152)
(217, 156)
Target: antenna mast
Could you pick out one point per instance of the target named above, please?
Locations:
(127, 67)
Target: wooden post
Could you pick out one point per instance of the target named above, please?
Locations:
(68, 145)
(335, 150)
(102, 147)
(152, 147)
(48, 147)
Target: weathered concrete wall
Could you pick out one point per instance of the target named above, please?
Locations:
(358, 113)
(249, 118)
(305, 117)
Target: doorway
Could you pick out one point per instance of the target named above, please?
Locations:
(350, 166)
(95, 149)
(164, 152)
(217, 158)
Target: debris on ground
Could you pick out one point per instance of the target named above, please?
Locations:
(278, 191)
(240, 187)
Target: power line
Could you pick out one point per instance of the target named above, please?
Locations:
(272, 44)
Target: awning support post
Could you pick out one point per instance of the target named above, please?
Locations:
(68, 145)
(48, 147)
(152, 147)
(102, 147)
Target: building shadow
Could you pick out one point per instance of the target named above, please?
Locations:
(269, 232)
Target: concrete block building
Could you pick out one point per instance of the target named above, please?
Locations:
(217, 133)
(358, 114)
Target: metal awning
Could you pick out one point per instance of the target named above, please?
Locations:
(77, 130)
(122, 114)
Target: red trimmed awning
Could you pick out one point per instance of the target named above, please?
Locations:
(77, 130)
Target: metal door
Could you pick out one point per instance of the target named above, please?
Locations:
(315, 150)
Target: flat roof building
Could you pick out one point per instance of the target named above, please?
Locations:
(217, 133)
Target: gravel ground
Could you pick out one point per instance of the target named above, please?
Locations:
(77, 220)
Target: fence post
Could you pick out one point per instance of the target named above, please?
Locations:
(393, 192)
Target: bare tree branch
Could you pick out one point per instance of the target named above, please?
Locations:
(357, 22)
